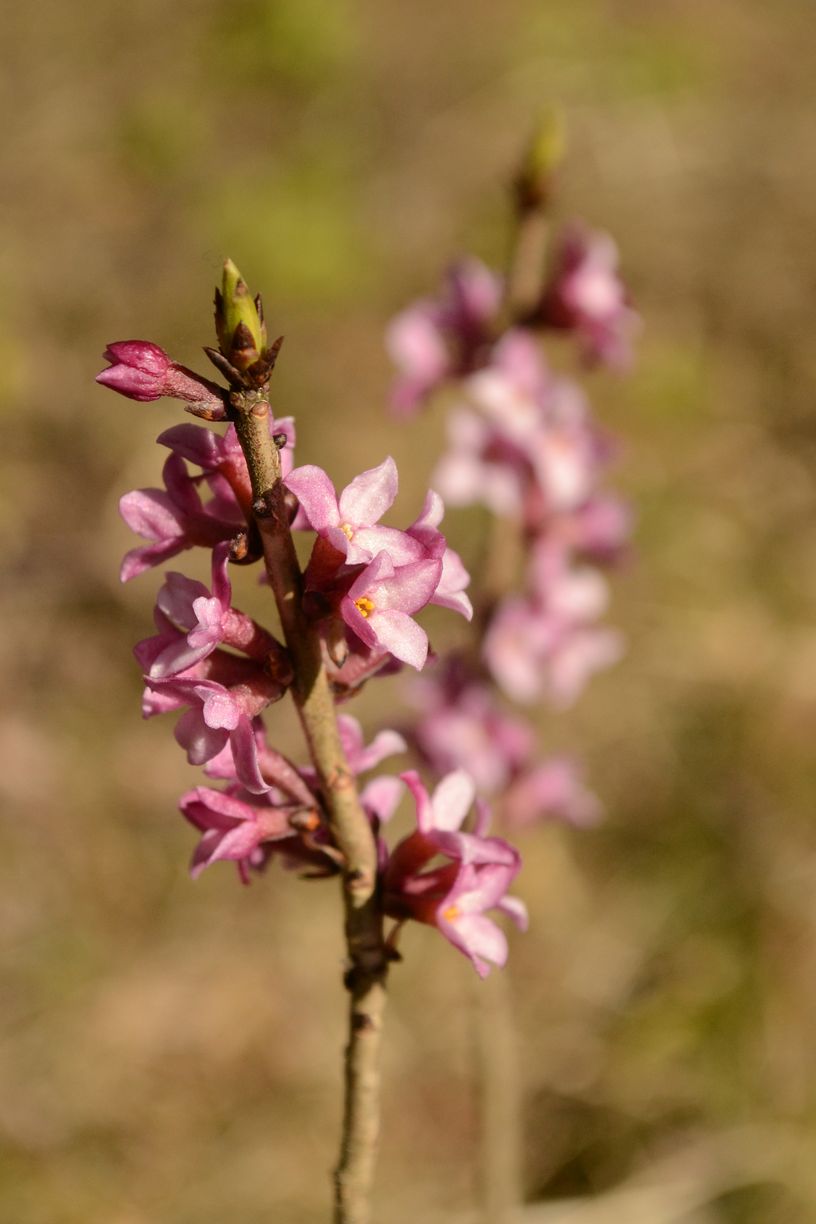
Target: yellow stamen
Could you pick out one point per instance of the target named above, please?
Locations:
(450, 913)
(364, 606)
(347, 530)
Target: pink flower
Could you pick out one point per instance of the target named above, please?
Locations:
(206, 620)
(547, 643)
(554, 789)
(225, 694)
(530, 449)
(173, 519)
(142, 371)
(380, 601)
(349, 523)
(235, 828)
(455, 579)
(221, 459)
(585, 295)
(438, 339)
(461, 726)
(455, 896)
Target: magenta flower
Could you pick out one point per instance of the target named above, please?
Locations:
(549, 645)
(234, 828)
(455, 579)
(461, 726)
(362, 757)
(349, 523)
(438, 339)
(174, 519)
(586, 295)
(554, 790)
(380, 602)
(455, 896)
(221, 459)
(142, 371)
(530, 449)
(225, 694)
(206, 620)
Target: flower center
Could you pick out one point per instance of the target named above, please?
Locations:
(347, 530)
(364, 606)
(450, 912)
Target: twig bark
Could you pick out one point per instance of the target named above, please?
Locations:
(366, 975)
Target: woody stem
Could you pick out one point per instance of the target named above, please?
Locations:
(348, 822)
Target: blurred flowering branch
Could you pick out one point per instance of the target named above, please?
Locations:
(523, 442)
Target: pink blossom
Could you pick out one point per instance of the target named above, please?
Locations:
(586, 295)
(380, 602)
(529, 449)
(221, 459)
(553, 789)
(206, 620)
(349, 523)
(362, 757)
(454, 897)
(461, 726)
(173, 519)
(438, 339)
(224, 694)
(233, 828)
(143, 371)
(450, 593)
(551, 647)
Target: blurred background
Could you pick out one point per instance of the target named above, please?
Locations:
(169, 1050)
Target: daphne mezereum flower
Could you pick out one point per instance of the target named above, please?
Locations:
(381, 600)
(547, 643)
(221, 459)
(239, 826)
(460, 725)
(455, 896)
(522, 441)
(173, 519)
(205, 619)
(586, 295)
(350, 522)
(436, 339)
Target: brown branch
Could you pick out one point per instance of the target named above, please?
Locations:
(349, 824)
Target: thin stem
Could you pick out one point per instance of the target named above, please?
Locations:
(495, 1038)
(349, 824)
(496, 1041)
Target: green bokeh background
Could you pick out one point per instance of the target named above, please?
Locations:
(169, 1051)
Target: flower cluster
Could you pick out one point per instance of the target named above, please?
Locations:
(219, 670)
(523, 442)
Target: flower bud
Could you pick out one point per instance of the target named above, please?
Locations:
(238, 321)
(142, 371)
(542, 158)
(138, 369)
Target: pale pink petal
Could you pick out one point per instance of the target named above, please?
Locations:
(402, 636)
(151, 514)
(424, 810)
(515, 910)
(317, 496)
(479, 938)
(369, 495)
(408, 589)
(381, 797)
(452, 800)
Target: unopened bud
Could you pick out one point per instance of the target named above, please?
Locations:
(142, 371)
(238, 321)
(544, 155)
